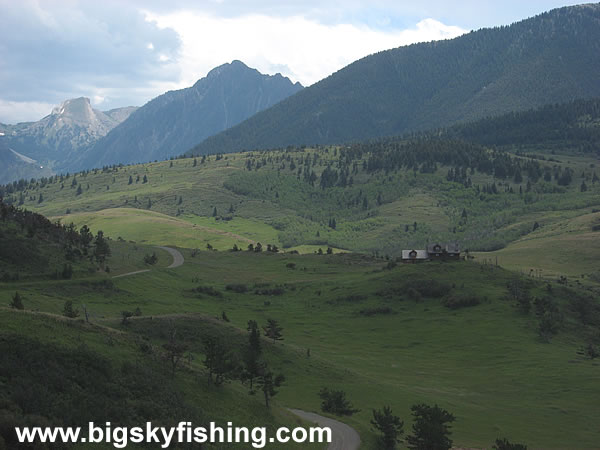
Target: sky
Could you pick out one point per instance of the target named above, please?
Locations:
(126, 52)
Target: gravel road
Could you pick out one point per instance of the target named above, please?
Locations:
(177, 261)
(177, 257)
(343, 437)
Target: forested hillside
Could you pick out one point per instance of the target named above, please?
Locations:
(573, 127)
(552, 57)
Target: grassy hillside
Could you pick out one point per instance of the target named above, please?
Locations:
(95, 373)
(378, 198)
(383, 335)
(565, 246)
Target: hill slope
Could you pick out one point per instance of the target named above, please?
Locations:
(173, 122)
(427, 85)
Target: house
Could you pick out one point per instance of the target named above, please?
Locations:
(452, 251)
(413, 256)
(439, 252)
(435, 251)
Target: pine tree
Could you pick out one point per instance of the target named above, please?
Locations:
(69, 311)
(431, 429)
(390, 426)
(267, 383)
(17, 302)
(273, 330)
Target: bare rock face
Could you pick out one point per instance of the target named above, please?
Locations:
(55, 140)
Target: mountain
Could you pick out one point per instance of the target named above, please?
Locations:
(549, 58)
(120, 114)
(56, 139)
(175, 121)
(573, 127)
(14, 166)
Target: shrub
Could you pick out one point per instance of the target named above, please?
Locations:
(207, 290)
(428, 288)
(335, 402)
(69, 311)
(460, 301)
(352, 298)
(270, 291)
(239, 288)
(17, 302)
(151, 259)
(383, 310)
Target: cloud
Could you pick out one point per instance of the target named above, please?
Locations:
(300, 48)
(125, 53)
(51, 51)
(23, 111)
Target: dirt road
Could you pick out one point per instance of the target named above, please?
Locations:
(176, 254)
(178, 260)
(343, 437)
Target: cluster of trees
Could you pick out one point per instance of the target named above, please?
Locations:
(223, 363)
(431, 427)
(258, 248)
(75, 243)
(23, 185)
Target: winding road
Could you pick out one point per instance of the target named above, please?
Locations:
(343, 437)
(178, 260)
(176, 254)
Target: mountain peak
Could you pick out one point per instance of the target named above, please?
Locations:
(229, 94)
(235, 64)
(76, 109)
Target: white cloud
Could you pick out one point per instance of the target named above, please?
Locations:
(24, 111)
(117, 53)
(303, 49)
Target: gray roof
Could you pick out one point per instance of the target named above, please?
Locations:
(430, 248)
(421, 254)
(452, 248)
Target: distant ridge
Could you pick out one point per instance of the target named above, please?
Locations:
(57, 139)
(550, 58)
(173, 122)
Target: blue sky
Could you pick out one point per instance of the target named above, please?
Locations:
(121, 53)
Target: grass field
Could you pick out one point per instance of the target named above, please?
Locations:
(486, 364)
(565, 247)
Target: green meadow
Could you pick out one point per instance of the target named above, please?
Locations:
(350, 322)
(264, 197)
(506, 339)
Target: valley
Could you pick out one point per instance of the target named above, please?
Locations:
(409, 246)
